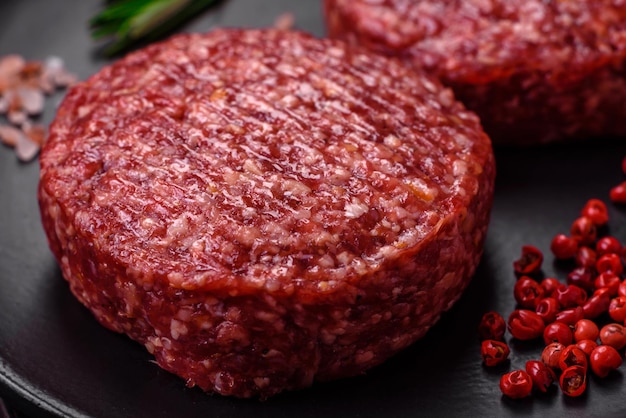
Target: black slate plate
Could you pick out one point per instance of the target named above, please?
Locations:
(55, 360)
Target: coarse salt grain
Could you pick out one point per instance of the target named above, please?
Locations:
(23, 86)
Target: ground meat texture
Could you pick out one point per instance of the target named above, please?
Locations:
(535, 71)
(263, 209)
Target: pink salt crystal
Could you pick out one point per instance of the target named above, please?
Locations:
(52, 69)
(32, 100)
(46, 82)
(53, 63)
(25, 148)
(284, 21)
(22, 88)
(17, 117)
(36, 132)
(9, 135)
(11, 65)
(58, 75)
(65, 79)
(13, 99)
(4, 105)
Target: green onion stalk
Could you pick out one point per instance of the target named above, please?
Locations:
(129, 22)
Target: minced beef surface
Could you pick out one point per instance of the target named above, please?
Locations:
(263, 168)
(263, 209)
(534, 71)
(479, 40)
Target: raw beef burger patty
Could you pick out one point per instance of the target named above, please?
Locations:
(262, 209)
(534, 70)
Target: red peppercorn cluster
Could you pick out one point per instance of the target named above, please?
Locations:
(582, 320)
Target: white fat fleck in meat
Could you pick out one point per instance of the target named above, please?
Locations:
(230, 176)
(272, 284)
(248, 212)
(180, 166)
(355, 209)
(420, 189)
(462, 140)
(275, 231)
(326, 261)
(338, 129)
(392, 141)
(336, 52)
(176, 228)
(252, 167)
(198, 247)
(294, 187)
(289, 101)
(401, 213)
(178, 328)
(185, 314)
(459, 168)
(223, 382)
(344, 258)
(175, 278)
(302, 214)
(266, 316)
(393, 169)
(149, 346)
(148, 223)
(246, 235)
(408, 237)
(386, 252)
(339, 175)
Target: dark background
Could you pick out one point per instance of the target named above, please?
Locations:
(55, 360)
